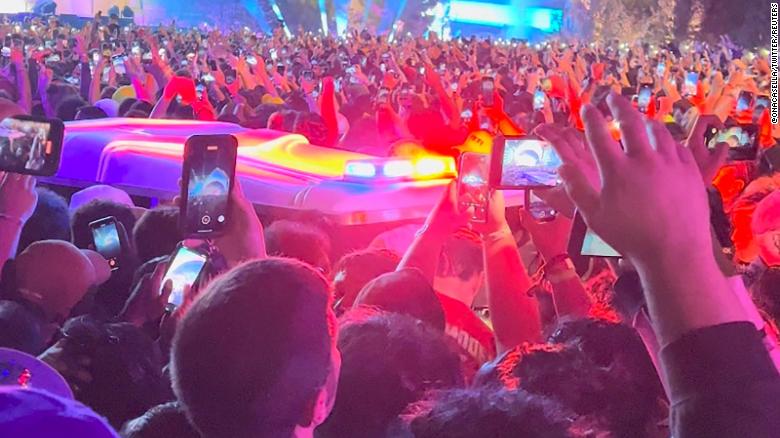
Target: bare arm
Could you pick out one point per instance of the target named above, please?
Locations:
(515, 315)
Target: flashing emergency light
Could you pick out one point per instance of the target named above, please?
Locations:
(400, 169)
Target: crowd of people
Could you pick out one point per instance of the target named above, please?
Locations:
(447, 328)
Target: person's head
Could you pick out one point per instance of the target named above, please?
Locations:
(124, 367)
(766, 293)
(36, 413)
(68, 108)
(355, 270)
(388, 361)
(766, 228)
(20, 329)
(94, 210)
(157, 233)
(54, 275)
(613, 393)
(50, 220)
(487, 412)
(272, 363)
(460, 272)
(299, 240)
(406, 291)
(90, 113)
(126, 105)
(163, 421)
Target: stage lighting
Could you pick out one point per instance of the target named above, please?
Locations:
(45, 7)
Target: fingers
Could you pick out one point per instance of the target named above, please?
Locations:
(719, 155)
(581, 192)
(604, 148)
(632, 125)
(561, 145)
(166, 291)
(660, 139)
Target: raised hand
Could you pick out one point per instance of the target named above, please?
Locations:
(18, 197)
(709, 161)
(243, 238)
(652, 201)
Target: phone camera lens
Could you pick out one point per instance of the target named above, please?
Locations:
(205, 220)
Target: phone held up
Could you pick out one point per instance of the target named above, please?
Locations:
(474, 185)
(208, 173)
(185, 267)
(31, 145)
(105, 235)
(523, 162)
(585, 242)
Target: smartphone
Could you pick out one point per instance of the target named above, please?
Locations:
(31, 145)
(538, 100)
(474, 185)
(645, 93)
(691, 82)
(585, 242)
(308, 75)
(105, 235)
(538, 209)
(119, 63)
(744, 101)
(488, 87)
(660, 69)
(273, 54)
(208, 173)
(735, 136)
(251, 60)
(184, 269)
(207, 78)
(466, 115)
(523, 162)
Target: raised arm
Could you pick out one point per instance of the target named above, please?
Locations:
(652, 207)
(514, 314)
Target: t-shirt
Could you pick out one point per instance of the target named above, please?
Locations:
(473, 336)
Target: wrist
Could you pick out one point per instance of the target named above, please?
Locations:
(11, 220)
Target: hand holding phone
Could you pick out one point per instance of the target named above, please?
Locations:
(30, 145)
(208, 174)
(185, 268)
(645, 94)
(107, 237)
(474, 185)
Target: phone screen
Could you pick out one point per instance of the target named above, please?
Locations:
(744, 101)
(209, 168)
(119, 63)
(735, 136)
(661, 69)
(538, 100)
(184, 269)
(594, 246)
(524, 162)
(644, 98)
(106, 238)
(30, 146)
(474, 185)
(487, 91)
(691, 80)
